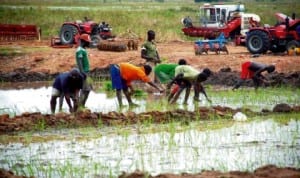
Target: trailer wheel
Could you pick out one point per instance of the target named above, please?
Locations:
(292, 45)
(67, 34)
(95, 40)
(257, 42)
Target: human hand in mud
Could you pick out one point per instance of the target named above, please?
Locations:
(161, 90)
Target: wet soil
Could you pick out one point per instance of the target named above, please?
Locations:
(41, 62)
(267, 171)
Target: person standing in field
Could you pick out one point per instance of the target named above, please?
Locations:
(189, 76)
(253, 70)
(123, 74)
(67, 85)
(149, 51)
(83, 65)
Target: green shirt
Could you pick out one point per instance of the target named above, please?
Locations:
(165, 72)
(81, 55)
(188, 72)
(150, 48)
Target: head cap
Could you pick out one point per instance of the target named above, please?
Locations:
(85, 37)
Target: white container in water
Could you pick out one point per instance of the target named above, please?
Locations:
(239, 116)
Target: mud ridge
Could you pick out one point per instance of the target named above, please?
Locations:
(37, 121)
(267, 171)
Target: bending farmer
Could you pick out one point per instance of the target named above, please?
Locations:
(253, 70)
(123, 74)
(188, 76)
(67, 84)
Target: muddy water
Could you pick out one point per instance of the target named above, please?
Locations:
(35, 97)
(243, 146)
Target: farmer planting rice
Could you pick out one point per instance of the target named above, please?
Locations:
(123, 74)
(67, 84)
(254, 70)
(165, 73)
(188, 76)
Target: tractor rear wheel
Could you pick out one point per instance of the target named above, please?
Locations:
(257, 42)
(95, 40)
(67, 34)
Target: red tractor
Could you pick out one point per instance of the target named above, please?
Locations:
(70, 32)
(285, 35)
(229, 19)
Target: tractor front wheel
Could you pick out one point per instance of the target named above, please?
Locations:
(257, 42)
(67, 34)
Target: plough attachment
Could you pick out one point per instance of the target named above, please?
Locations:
(15, 32)
(120, 45)
(217, 45)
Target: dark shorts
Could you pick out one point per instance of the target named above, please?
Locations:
(117, 82)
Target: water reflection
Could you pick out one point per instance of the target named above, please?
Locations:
(35, 97)
(38, 100)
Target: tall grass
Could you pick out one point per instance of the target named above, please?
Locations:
(164, 18)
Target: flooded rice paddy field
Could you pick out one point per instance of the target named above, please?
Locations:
(35, 97)
(107, 151)
(176, 147)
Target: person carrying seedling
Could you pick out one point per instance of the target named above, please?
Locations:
(67, 84)
(149, 51)
(188, 76)
(123, 74)
(253, 70)
(83, 65)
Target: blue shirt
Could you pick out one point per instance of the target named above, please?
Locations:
(64, 83)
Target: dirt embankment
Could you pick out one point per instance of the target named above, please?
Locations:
(30, 121)
(37, 61)
(42, 62)
(267, 171)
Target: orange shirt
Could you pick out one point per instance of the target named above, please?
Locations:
(131, 72)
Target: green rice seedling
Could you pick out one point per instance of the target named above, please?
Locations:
(99, 122)
(107, 86)
(40, 125)
(172, 132)
(139, 93)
